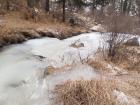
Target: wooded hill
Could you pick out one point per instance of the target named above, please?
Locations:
(104, 7)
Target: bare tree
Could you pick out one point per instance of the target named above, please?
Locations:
(113, 41)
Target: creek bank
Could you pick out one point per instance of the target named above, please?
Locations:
(20, 36)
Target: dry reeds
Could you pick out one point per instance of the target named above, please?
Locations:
(94, 92)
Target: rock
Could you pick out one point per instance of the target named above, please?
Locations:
(2, 43)
(98, 28)
(77, 44)
(30, 34)
(18, 84)
(40, 57)
(72, 21)
(48, 71)
(46, 33)
(133, 42)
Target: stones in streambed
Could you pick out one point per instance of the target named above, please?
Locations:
(133, 42)
(52, 70)
(39, 57)
(11, 39)
(48, 34)
(48, 71)
(20, 36)
(16, 84)
(71, 33)
(24, 35)
(30, 34)
(77, 44)
(2, 42)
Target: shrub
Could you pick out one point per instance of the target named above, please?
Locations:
(113, 41)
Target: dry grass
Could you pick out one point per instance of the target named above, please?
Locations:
(101, 66)
(7, 36)
(98, 65)
(136, 90)
(14, 22)
(130, 59)
(52, 70)
(130, 85)
(94, 92)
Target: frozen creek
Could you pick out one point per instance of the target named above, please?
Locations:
(22, 64)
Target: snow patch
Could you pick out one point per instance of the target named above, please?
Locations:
(139, 40)
(123, 98)
(60, 52)
(116, 70)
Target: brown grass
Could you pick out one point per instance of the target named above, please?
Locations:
(94, 92)
(14, 22)
(130, 59)
(136, 90)
(8, 36)
(100, 65)
(130, 85)
(51, 70)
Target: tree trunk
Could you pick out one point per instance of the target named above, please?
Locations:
(7, 5)
(47, 5)
(129, 7)
(125, 5)
(64, 5)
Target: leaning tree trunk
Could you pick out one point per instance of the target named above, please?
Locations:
(64, 5)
